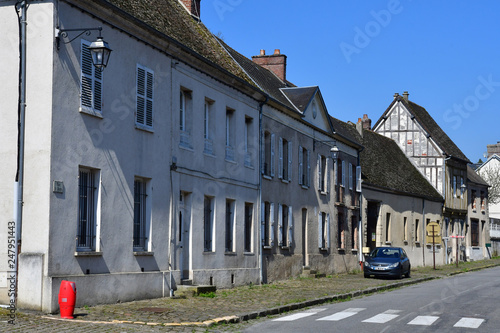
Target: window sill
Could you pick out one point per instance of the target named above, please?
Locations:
(209, 154)
(249, 254)
(267, 177)
(90, 112)
(305, 187)
(230, 253)
(388, 243)
(286, 248)
(88, 254)
(267, 247)
(186, 147)
(208, 253)
(285, 181)
(323, 249)
(323, 192)
(230, 161)
(341, 249)
(143, 254)
(418, 244)
(354, 251)
(144, 128)
(249, 166)
(405, 242)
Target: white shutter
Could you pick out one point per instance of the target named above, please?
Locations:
(358, 178)
(301, 165)
(308, 168)
(289, 161)
(144, 96)
(290, 226)
(280, 225)
(280, 158)
(327, 231)
(320, 230)
(327, 175)
(319, 171)
(263, 153)
(91, 81)
(271, 218)
(271, 166)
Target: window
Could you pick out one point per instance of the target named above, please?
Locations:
(285, 226)
(144, 97)
(323, 231)
(405, 228)
(388, 227)
(462, 191)
(248, 141)
(230, 225)
(88, 181)
(341, 232)
(208, 225)
(323, 174)
(483, 201)
(340, 180)
(141, 215)
(185, 117)
(455, 186)
(208, 126)
(285, 160)
(267, 232)
(417, 231)
(358, 179)
(91, 82)
(350, 176)
(354, 233)
(304, 167)
(473, 199)
(248, 227)
(268, 158)
(474, 232)
(230, 135)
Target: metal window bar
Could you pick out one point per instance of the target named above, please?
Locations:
(85, 238)
(207, 217)
(139, 237)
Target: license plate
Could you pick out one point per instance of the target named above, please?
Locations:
(379, 268)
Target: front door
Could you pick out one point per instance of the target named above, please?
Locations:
(371, 227)
(185, 236)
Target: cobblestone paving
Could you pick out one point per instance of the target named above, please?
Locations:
(198, 314)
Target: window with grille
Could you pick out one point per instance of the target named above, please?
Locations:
(267, 232)
(248, 227)
(87, 209)
(208, 224)
(144, 97)
(91, 82)
(229, 225)
(140, 215)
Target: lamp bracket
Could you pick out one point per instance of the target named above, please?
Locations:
(63, 33)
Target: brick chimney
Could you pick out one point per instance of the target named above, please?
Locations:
(405, 95)
(193, 6)
(493, 149)
(276, 62)
(367, 122)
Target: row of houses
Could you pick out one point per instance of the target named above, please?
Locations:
(185, 162)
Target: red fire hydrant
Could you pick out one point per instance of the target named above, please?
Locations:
(67, 299)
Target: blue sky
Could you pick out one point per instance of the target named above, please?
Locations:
(359, 52)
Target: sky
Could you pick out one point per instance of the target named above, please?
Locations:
(359, 52)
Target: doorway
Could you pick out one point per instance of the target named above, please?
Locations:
(305, 256)
(371, 225)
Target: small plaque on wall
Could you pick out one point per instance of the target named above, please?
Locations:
(58, 186)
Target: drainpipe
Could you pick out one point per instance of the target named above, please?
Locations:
(424, 228)
(261, 272)
(444, 205)
(19, 180)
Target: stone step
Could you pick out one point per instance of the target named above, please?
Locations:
(187, 282)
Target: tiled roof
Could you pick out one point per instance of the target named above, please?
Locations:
(262, 77)
(473, 177)
(300, 96)
(384, 165)
(170, 18)
(346, 130)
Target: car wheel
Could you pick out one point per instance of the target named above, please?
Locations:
(408, 274)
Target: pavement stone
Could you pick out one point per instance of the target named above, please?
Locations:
(223, 311)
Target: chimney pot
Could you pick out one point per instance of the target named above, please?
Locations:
(405, 95)
(396, 95)
(193, 7)
(367, 122)
(277, 51)
(262, 52)
(275, 63)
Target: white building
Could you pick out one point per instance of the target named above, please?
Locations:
(137, 177)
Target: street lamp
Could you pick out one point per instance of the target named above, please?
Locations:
(335, 151)
(99, 49)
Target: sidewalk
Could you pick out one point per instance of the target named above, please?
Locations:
(208, 312)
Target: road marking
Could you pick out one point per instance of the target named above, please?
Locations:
(423, 320)
(300, 315)
(342, 315)
(295, 316)
(383, 317)
(469, 322)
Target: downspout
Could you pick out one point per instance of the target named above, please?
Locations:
(19, 180)
(261, 272)
(424, 227)
(444, 205)
(360, 220)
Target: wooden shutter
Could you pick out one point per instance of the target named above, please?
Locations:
(262, 222)
(350, 176)
(319, 171)
(308, 168)
(343, 173)
(358, 178)
(327, 231)
(327, 175)
(320, 230)
(91, 81)
(271, 219)
(145, 82)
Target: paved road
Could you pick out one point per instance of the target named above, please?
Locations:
(463, 303)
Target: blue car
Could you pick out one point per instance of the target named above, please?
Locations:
(387, 262)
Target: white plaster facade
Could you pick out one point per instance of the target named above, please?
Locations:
(63, 138)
